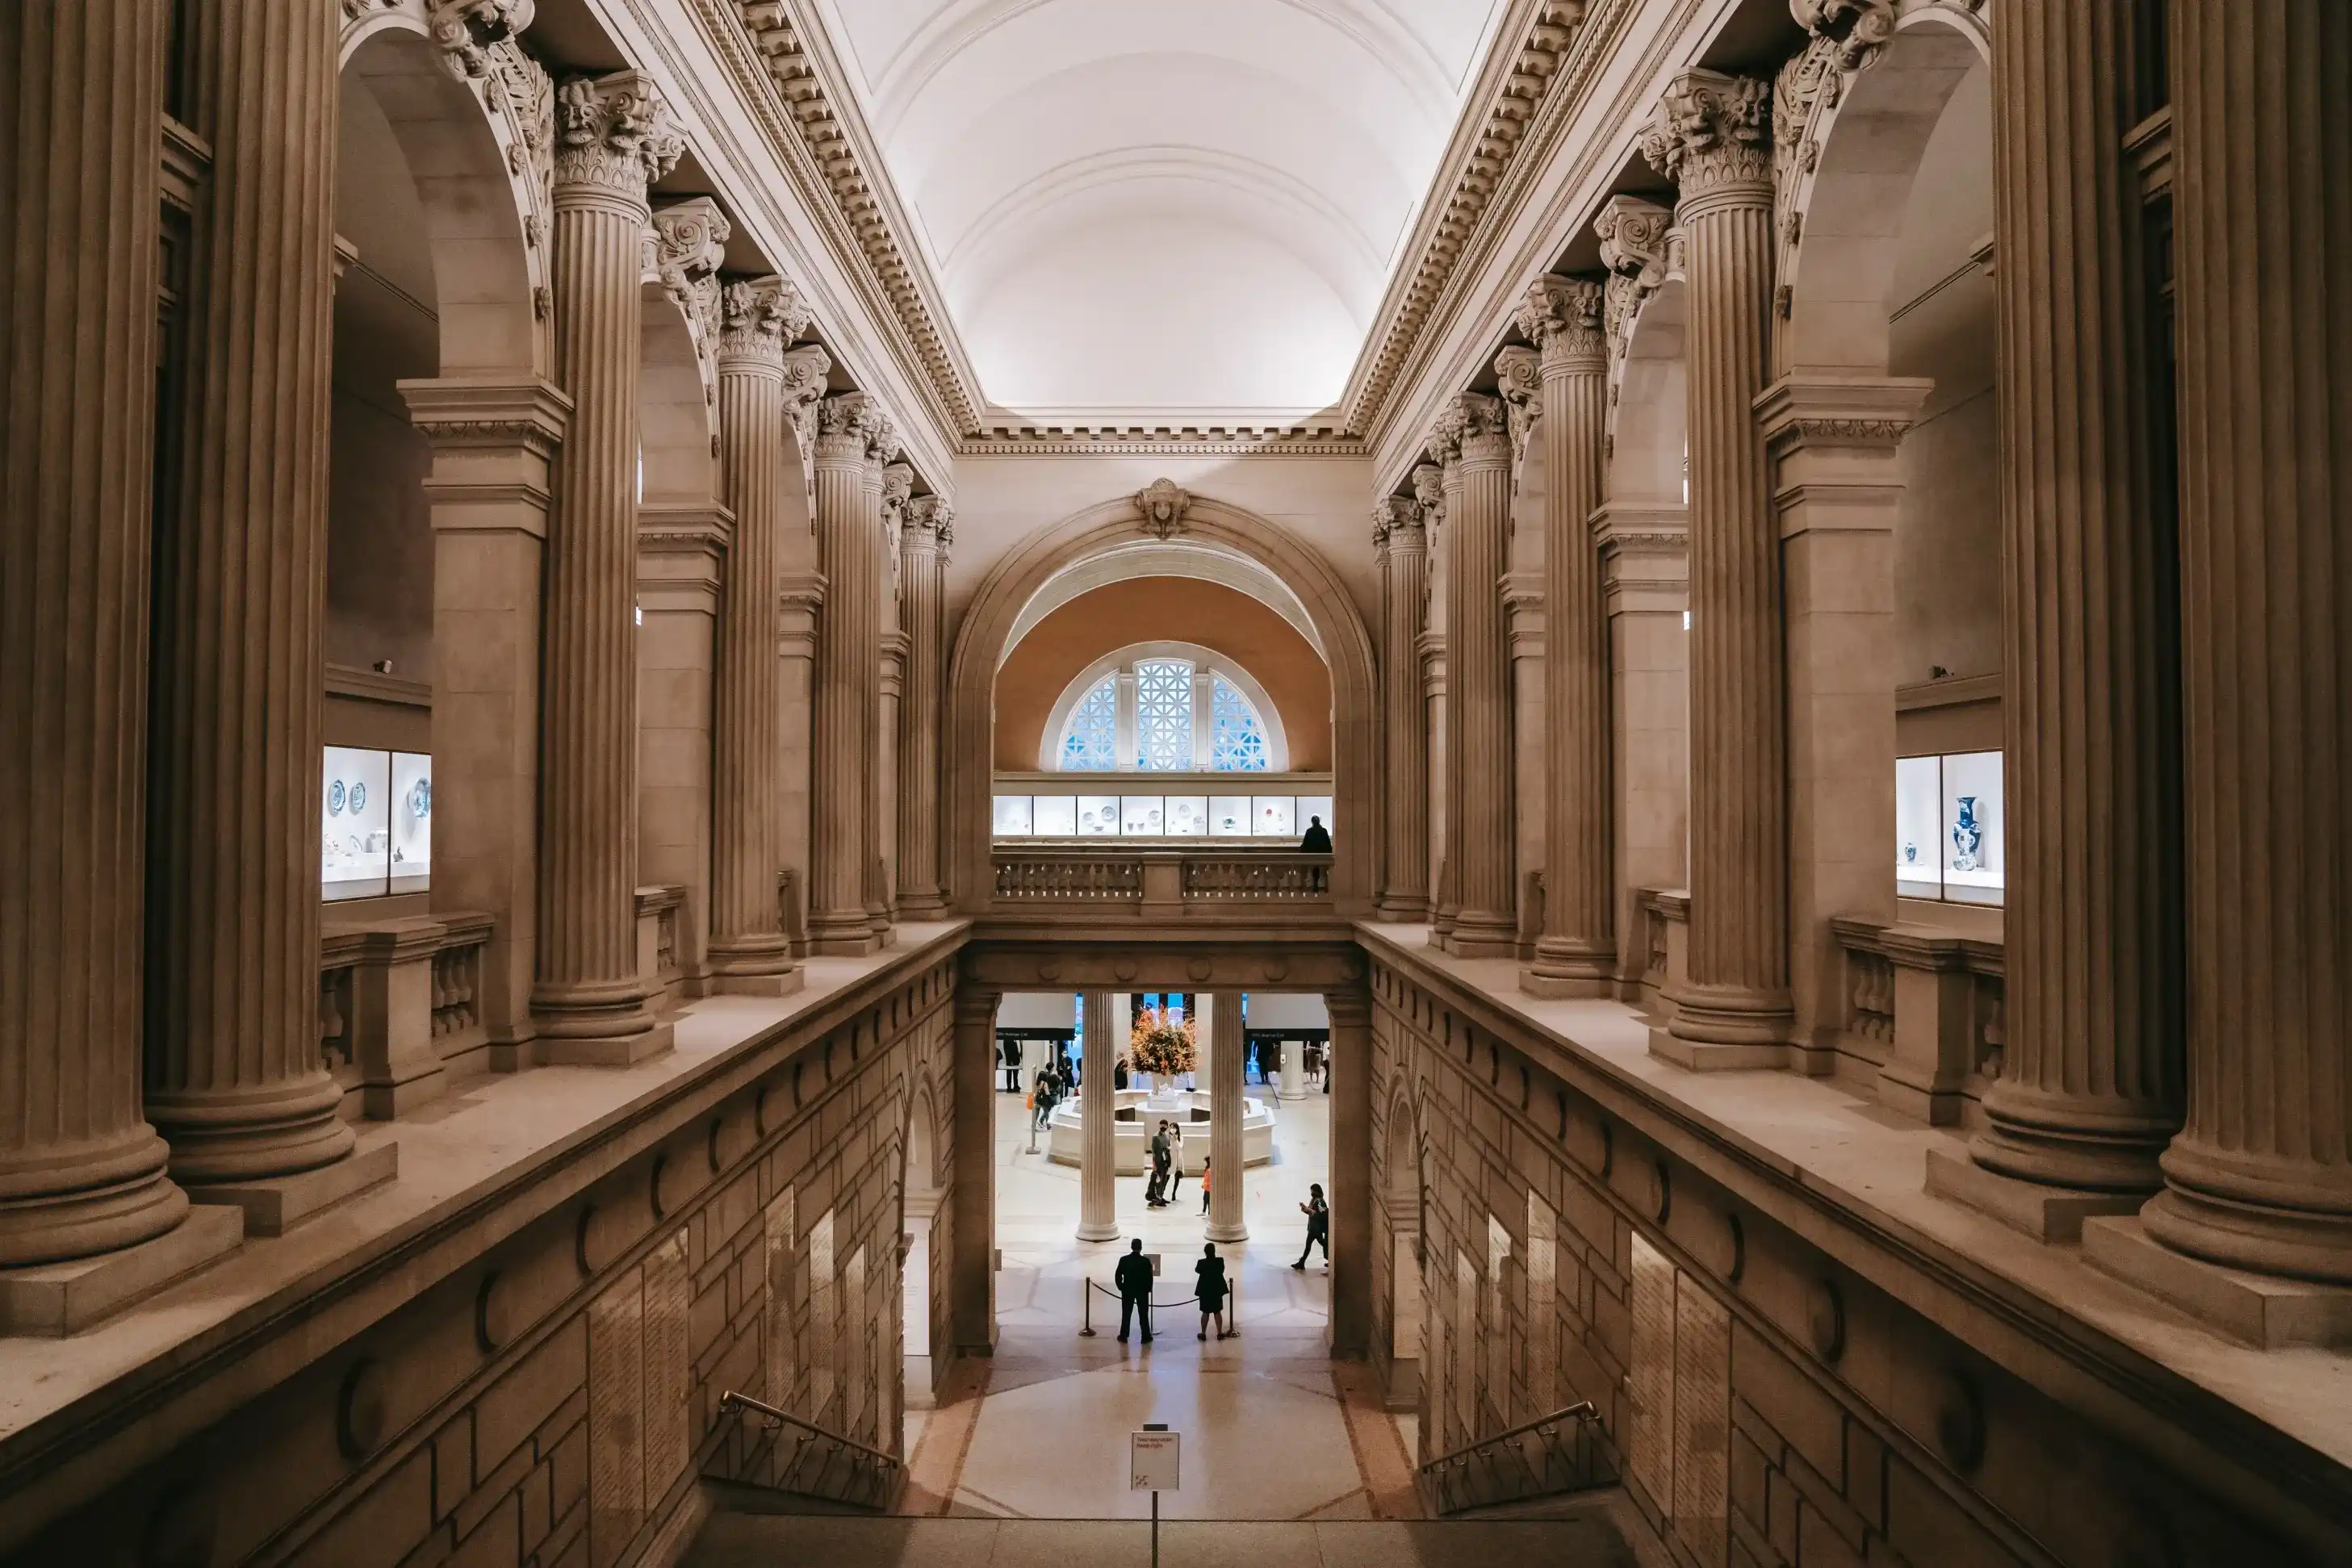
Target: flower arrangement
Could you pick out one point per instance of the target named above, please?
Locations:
(1161, 1045)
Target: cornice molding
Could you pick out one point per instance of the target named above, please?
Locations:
(1080, 440)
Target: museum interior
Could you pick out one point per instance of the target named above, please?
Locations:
(905, 782)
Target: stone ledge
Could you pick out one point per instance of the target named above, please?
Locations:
(2044, 1213)
(272, 1206)
(56, 1300)
(2271, 1315)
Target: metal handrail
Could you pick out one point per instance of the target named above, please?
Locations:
(1444, 1475)
(880, 1468)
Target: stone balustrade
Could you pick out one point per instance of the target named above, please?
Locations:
(1924, 1004)
(397, 1002)
(1159, 883)
(1665, 919)
(660, 909)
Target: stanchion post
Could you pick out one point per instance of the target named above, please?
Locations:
(1086, 1309)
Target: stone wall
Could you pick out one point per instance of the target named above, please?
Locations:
(1766, 1403)
(548, 1390)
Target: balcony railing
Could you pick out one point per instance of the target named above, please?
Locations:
(1160, 881)
(1558, 1454)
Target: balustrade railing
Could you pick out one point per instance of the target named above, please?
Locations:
(1925, 1004)
(1161, 879)
(1556, 1454)
(778, 1451)
(1077, 875)
(1258, 876)
(386, 984)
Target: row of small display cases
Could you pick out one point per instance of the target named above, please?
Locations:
(1947, 827)
(1159, 816)
(375, 823)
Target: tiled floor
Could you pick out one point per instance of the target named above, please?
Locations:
(1266, 1435)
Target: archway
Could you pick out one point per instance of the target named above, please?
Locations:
(1401, 1198)
(923, 1301)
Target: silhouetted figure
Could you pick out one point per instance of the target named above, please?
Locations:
(1318, 840)
(1133, 1278)
(1210, 1270)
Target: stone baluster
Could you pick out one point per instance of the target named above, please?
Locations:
(235, 1080)
(1400, 547)
(1098, 1124)
(927, 535)
(1228, 1218)
(2089, 1088)
(2260, 1176)
(1576, 953)
(81, 1172)
(1711, 138)
(838, 922)
(888, 486)
(749, 954)
(1474, 436)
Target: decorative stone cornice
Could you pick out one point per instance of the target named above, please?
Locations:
(1396, 521)
(1562, 317)
(929, 524)
(1429, 495)
(1518, 377)
(1162, 504)
(1632, 235)
(757, 317)
(1857, 30)
(1078, 440)
(1712, 132)
(688, 242)
(466, 31)
(613, 134)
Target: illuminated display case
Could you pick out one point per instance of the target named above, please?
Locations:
(1015, 817)
(1948, 822)
(355, 823)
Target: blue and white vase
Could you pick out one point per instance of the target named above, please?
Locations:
(1910, 854)
(1968, 836)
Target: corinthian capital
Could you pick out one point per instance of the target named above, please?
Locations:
(1429, 495)
(689, 244)
(1857, 30)
(1712, 130)
(883, 441)
(614, 135)
(844, 421)
(806, 368)
(1471, 425)
(1518, 377)
(1396, 523)
(897, 487)
(1562, 317)
(465, 30)
(929, 524)
(1632, 235)
(758, 317)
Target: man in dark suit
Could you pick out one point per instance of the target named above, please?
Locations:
(1316, 840)
(1133, 1278)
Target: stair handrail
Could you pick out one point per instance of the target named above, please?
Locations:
(1441, 1474)
(881, 1466)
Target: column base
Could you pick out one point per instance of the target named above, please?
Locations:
(2267, 1238)
(55, 1299)
(922, 904)
(2266, 1312)
(2045, 1213)
(1703, 1056)
(1479, 936)
(1555, 976)
(606, 1050)
(1714, 1015)
(1401, 909)
(253, 1133)
(1216, 1232)
(842, 933)
(764, 970)
(91, 1207)
(1098, 1231)
(274, 1206)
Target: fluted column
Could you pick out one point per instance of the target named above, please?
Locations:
(1432, 489)
(1350, 1181)
(615, 137)
(748, 954)
(81, 1171)
(2261, 1177)
(888, 486)
(923, 545)
(1401, 546)
(844, 675)
(1711, 138)
(2090, 1086)
(1097, 1130)
(235, 1081)
(972, 1267)
(1228, 1218)
(1472, 434)
(1576, 953)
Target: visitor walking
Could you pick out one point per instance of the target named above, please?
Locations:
(1155, 1191)
(1205, 1184)
(1133, 1278)
(1175, 1160)
(1211, 1272)
(1319, 1226)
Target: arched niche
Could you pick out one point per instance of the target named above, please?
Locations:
(678, 414)
(1649, 409)
(985, 635)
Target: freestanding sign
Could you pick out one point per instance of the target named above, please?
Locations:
(1154, 1463)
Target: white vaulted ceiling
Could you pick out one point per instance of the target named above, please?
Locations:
(1162, 207)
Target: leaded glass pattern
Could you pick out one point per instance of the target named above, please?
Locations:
(1087, 744)
(1163, 714)
(1237, 741)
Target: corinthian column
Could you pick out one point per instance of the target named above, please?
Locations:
(1437, 488)
(888, 486)
(749, 954)
(1228, 1218)
(2261, 1177)
(1474, 434)
(235, 1081)
(923, 544)
(2090, 1087)
(614, 136)
(1401, 545)
(846, 672)
(1576, 953)
(1097, 1130)
(1710, 138)
(81, 1172)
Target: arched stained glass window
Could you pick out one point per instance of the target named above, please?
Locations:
(1163, 714)
(1087, 743)
(1237, 741)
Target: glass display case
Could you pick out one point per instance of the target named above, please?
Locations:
(1056, 817)
(355, 823)
(1314, 806)
(412, 821)
(1026, 816)
(1097, 815)
(1139, 816)
(1274, 816)
(1229, 816)
(1187, 816)
(1012, 819)
(1948, 822)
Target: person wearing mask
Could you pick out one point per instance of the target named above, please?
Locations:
(1316, 841)
(1133, 1278)
(1319, 1226)
(1210, 1273)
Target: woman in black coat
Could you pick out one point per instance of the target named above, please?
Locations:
(1211, 1272)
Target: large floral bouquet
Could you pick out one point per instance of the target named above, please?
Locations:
(1161, 1045)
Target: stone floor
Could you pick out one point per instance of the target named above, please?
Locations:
(744, 1541)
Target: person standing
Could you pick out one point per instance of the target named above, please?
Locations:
(1133, 1278)
(1319, 1226)
(1175, 1161)
(1210, 1273)
(1206, 1172)
(1155, 1191)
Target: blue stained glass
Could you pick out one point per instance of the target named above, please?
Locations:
(1237, 741)
(1087, 743)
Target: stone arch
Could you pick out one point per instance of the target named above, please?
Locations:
(678, 412)
(1648, 412)
(984, 635)
(1268, 713)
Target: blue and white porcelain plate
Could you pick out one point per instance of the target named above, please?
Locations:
(335, 797)
(359, 799)
(420, 800)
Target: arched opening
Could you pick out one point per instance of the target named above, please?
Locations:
(919, 1261)
(1400, 1198)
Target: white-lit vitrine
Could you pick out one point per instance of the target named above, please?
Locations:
(355, 823)
(1949, 826)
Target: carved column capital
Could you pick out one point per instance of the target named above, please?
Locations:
(806, 368)
(1858, 30)
(845, 424)
(757, 317)
(1471, 428)
(1712, 133)
(1632, 235)
(1562, 317)
(928, 524)
(898, 488)
(614, 135)
(465, 30)
(1396, 524)
(1518, 375)
(1429, 495)
(688, 243)
(883, 441)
